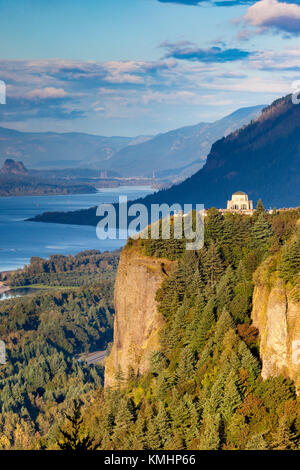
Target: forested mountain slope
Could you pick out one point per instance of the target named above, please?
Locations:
(262, 159)
(204, 381)
(204, 387)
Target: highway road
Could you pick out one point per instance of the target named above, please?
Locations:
(94, 357)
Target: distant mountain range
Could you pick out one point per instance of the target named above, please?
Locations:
(176, 153)
(262, 159)
(54, 150)
(179, 152)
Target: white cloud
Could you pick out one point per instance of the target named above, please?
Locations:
(274, 15)
(287, 60)
(254, 85)
(48, 92)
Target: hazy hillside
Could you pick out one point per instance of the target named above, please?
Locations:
(183, 150)
(54, 150)
(263, 159)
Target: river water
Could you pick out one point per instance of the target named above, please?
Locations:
(20, 240)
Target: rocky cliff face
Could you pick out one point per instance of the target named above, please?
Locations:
(276, 314)
(11, 167)
(137, 320)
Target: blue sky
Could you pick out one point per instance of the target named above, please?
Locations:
(130, 67)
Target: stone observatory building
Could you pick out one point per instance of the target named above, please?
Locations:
(240, 202)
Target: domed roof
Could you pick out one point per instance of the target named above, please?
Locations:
(239, 193)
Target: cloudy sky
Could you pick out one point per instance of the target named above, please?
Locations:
(130, 67)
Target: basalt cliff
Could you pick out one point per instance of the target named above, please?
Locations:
(137, 320)
(275, 310)
(276, 314)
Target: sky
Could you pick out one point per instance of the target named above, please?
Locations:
(141, 67)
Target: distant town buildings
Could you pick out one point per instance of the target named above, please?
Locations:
(103, 174)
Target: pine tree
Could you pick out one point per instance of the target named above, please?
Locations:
(260, 207)
(213, 264)
(162, 421)
(185, 369)
(241, 274)
(289, 267)
(261, 232)
(193, 430)
(119, 377)
(180, 415)
(199, 304)
(163, 385)
(257, 442)
(232, 396)
(206, 322)
(139, 438)
(284, 438)
(210, 439)
(215, 398)
(152, 436)
(131, 375)
(75, 439)
(224, 323)
(124, 420)
(224, 290)
(213, 225)
(248, 361)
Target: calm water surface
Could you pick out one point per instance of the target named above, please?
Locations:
(20, 240)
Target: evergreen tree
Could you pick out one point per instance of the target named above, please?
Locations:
(214, 225)
(119, 377)
(152, 436)
(241, 273)
(249, 362)
(124, 421)
(210, 439)
(261, 232)
(76, 439)
(139, 441)
(257, 442)
(215, 397)
(193, 430)
(163, 385)
(213, 264)
(224, 323)
(162, 421)
(260, 207)
(284, 438)
(185, 369)
(180, 415)
(289, 267)
(224, 289)
(204, 325)
(232, 396)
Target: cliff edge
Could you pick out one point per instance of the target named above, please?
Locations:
(276, 314)
(137, 320)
